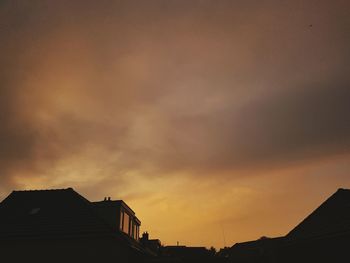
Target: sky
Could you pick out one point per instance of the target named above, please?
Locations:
(216, 121)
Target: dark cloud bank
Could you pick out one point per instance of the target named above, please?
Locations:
(295, 84)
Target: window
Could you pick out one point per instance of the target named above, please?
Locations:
(126, 222)
(121, 220)
(128, 225)
(136, 233)
(133, 230)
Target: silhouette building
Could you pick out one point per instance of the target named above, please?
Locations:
(62, 226)
(188, 254)
(119, 215)
(153, 245)
(323, 236)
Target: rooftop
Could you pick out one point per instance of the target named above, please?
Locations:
(55, 213)
(331, 217)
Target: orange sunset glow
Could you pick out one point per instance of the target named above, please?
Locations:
(216, 121)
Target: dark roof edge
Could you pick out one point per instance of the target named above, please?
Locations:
(50, 190)
(340, 190)
(115, 201)
(43, 190)
(268, 239)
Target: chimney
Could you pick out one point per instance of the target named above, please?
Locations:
(145, 236)
(109, 199)
(105, 199)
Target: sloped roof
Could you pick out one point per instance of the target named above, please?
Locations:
(258, 244)
(48, 213)
(332, 217)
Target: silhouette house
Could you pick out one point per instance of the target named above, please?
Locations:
(255, 251)
(62, 226)
(324, 236)
(153, 245)
(187, 254)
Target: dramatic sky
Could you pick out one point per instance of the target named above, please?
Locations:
(216, 121)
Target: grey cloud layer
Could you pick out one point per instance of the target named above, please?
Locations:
(198, 86)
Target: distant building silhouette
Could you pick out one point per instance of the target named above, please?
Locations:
(324, 236)
(62, 226)
(153, 245)
(188, 254)
(254, 251)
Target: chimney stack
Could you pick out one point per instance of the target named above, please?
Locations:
(145, 236)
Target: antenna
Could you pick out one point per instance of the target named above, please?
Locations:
(223, 235)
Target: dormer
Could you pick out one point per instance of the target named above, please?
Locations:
(120, 216)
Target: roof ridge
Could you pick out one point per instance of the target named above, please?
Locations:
(43, 190)
(343, 190)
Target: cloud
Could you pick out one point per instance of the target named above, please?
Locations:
(162, 88)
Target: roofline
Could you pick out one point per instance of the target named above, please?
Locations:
(118, 202)
(258, 241)
(340, 190)
(121, 202)
(44, 190)
(115, 201)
